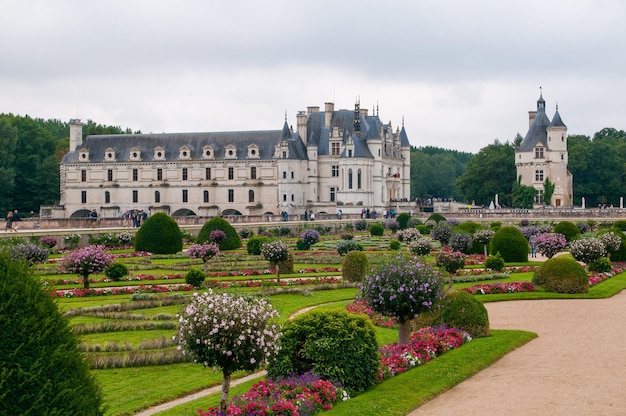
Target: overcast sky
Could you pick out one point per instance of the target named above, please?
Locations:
(461, 73)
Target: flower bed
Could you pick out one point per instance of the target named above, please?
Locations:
(259, 282)
(299, 395)
(359, 306)
(493, 288)
(595, 277)
(80, 292)
(139, 277)
(425, 345)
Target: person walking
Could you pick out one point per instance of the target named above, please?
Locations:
(16, 218)
(533, 245)
(9, 222)
(94, 218)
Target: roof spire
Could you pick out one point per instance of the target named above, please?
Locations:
(285, 115)
(541, 103)
(403, 121)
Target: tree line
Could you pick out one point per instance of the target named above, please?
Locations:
(32, 148)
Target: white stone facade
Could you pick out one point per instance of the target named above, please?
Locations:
(335, 159)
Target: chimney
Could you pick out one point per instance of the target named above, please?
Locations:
(312, 109)
(328, 113)
(76, 134)
(531, 117)
(301, 118)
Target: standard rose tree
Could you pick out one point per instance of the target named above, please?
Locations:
(86, 261)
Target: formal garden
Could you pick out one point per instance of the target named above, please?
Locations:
(342, 318)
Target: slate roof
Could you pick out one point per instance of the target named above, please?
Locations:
(172, 142)
(538, 131)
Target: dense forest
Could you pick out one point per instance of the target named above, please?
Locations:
(32, 148)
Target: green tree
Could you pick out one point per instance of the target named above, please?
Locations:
(523, 196)
(492, 171)
(8, 142)
(434, 171)
(548, 191)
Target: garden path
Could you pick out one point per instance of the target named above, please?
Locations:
(576, 366)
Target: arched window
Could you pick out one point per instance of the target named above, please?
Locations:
(358, 179)
(107, 197)
(157, 196)
(206, 196)
(250, 195)
(349, 178)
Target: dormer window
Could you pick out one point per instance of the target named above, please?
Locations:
(83, 155)
(335, 148)
(253, 151)
(230, 152)
(184, 153)
(109, 154)
(159, 153)
(539, 152)
(135, 153)
(208, 152)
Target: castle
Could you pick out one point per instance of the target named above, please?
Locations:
(543, 155)
(334, 159)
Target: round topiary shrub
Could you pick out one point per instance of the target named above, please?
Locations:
(403, 220)
(360, 225)
(495, 262)
(437, 218)
(462, 310)
(601, 265)
(116, 271)
(620, 225)
(195, 277)
(354, 266)
(43, 372)
(345, 246)
(334, 344)
(232, 241)
(377, 229)
(442, 232)
(423, 229)
(468, 227)
(568, 229)
(394, 245)
(511, 244)
(562, 275)
(253, 246)
(159, 234)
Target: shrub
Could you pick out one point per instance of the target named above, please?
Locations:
(48, 242)
(275, 252)
(346, 246)
(354, 266)
(43, 372)
(442, 232)
(611, 240)
(29, 252)
(583, 227)
(334, 344)
(482, 238)
(392, 225)
(496, 225)
(462, 310)
(587, 249)
(116, 271)
(549, 244)
(360, 225)
(204, 251)
(377, 229)
(217, 236)
(414, 222)
(286, 266)
(511, 244)
(408, 235)
(347, 236)
(620, 253)
(302, 245)
(437, 218)
(523, 223)
(450, 260)
(568, 229)
(620, 225)
(403, 220)
(245, 233)
(394, 245)
(562, 275)
(461, 242)
(245, 338)
(253, 246)
(601, 265)
(281, 231)
(309, 237)
(468, 227)
(402, 288)
(420, 247)
(232, 241)
(423, 229)
(85, 261)
(159, 234)
(495, 262)
(195, 277)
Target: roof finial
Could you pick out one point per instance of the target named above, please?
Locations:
(403, 121)
(285, 115)
(557, 106)
(540, 91)
(377, 110)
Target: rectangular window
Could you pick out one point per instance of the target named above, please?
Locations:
(335, 148)
(206, 196)
(157, 196)
(159, 174)
(110, 175)
(538, 152)
(292, 198)
(185, 173)
(293, 175)
(135, 175)
(185, 196)
(207, 173)
(83, 197)
(107, 197)
(335, 170)
(231, 173)
(83, 175)
(253, 172)
(135, 197)
(231, 195)
(539, 176)
(539, 197)
(349, 153)
(332, 194)
(284, 175)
